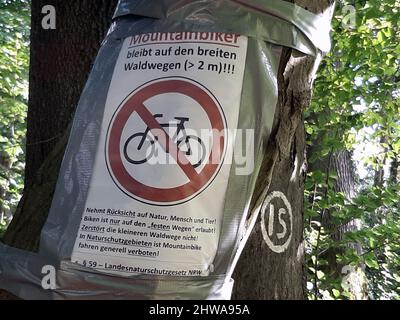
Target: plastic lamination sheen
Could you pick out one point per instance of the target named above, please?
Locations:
(269, 26)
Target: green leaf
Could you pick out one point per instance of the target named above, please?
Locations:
(370, 261)
(336, 293)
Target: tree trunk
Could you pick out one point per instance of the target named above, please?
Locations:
(60, 63)
(61, 60)
(394, 170)
(341, 163)
(261, 272)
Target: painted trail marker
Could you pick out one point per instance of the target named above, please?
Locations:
(277, 222)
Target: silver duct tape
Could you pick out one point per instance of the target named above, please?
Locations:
(87, 284)
(21, 274)
(302, 30)
(20, 271)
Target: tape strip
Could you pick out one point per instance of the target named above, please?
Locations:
(315, 27)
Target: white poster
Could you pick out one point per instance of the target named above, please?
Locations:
(156, 196)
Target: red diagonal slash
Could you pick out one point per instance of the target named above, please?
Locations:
(166, 142)
(135, 103)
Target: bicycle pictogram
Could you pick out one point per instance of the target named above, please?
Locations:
(140, 148)
(145, 134)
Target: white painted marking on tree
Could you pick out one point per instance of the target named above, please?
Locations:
(271, 220)
(282, 232)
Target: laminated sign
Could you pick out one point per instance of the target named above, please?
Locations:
(154, 193)
(157, 192)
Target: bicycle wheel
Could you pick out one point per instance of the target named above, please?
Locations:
(194, 149)
(135, 154)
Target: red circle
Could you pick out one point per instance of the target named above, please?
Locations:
(135, 104)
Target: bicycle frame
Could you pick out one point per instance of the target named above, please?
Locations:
(180, 128)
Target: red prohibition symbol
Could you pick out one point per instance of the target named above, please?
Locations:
(197, 181)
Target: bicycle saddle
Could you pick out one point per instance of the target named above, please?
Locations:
(182, 118)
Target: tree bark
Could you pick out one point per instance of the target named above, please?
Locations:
(341, 163)
(262, 273)
(60, 63)
(61, 60)
(394, 170)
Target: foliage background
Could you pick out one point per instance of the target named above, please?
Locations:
(14, 65)
(355, 109)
